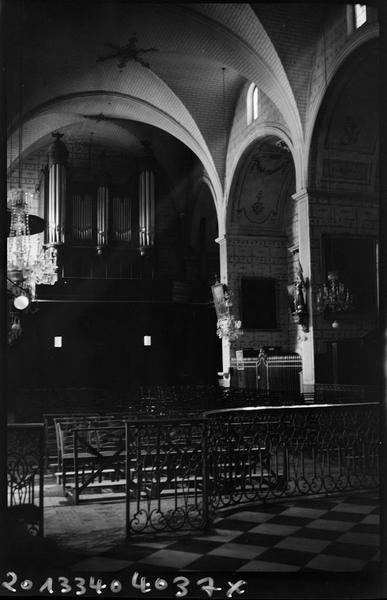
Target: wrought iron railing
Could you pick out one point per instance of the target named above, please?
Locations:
(176, 472)
(98, 455)
(25, 472)
(261, 453)
(166, 474)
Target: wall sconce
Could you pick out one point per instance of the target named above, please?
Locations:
(147, 340)
(298, 300)
(227, 325)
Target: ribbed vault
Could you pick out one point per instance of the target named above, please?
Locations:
(204, 55)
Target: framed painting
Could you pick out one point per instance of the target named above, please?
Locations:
(259, 303)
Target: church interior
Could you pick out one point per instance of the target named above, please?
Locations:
(193, 287)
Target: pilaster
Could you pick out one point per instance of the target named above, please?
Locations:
(226, 350)
(307, 339)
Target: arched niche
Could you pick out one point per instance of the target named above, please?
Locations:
(262, 233)
(203, 231)
(344, 149)
(262, 184)
(343, 214)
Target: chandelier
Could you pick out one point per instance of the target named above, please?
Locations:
(333, 296)
(28, 262)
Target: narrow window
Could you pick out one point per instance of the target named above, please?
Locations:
(360, 14)
(255, 103)
(252, 103)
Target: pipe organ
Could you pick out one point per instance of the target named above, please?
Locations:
(104, 229)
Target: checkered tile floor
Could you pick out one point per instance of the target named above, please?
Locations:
(308, 535)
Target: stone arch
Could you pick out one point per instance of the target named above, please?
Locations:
(344, 202)
(355, 75)
(40, 123)
(356, 41)
(275, 156)
(252, 137)
(259, 237)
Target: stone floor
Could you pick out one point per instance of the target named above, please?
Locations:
(321, 537)
(336, 534)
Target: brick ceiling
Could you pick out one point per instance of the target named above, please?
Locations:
(205, 54)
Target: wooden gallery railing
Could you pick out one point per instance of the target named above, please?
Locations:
(176, 472)
(25, 471)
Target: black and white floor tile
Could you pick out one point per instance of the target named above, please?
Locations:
(308, 535)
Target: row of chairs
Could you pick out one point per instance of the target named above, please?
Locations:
(100, 430)
(171, 401)
(178, 400)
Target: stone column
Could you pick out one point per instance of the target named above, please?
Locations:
(307, 338)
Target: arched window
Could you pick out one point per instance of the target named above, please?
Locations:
(255, 103)
(360, 14)
(252, 103)
(357, 15)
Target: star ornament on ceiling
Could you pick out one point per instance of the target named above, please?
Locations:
(126, 53)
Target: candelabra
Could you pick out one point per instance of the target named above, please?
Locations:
(227, 325)
(27, 263)
(333, 296)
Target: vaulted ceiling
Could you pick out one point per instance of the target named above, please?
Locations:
(199, 57)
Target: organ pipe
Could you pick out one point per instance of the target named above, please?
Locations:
(146, 200)
(121, 219)
(102, 205)
(102, 217)
(57, 188)
(82, 218)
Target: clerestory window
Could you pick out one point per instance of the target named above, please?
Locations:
(252, 103)
(360, 15)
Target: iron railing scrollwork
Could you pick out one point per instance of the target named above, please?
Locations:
(281, 451)
(177, 472)
(166, 475)
(25, 471)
